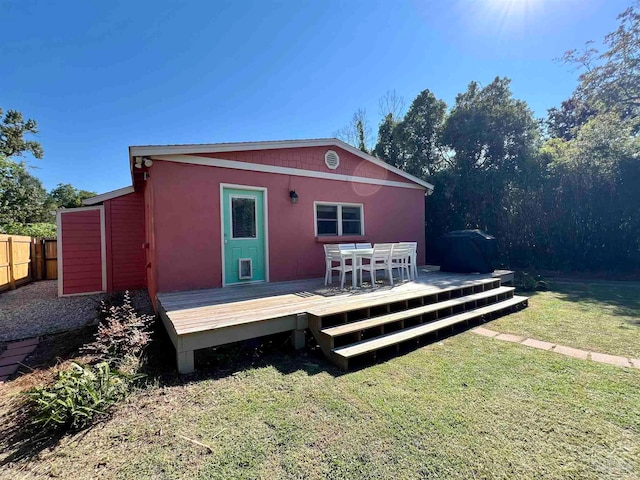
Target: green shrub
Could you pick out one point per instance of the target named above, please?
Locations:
(528, 283)
(122, 334)
(40, 230)
(78, 395)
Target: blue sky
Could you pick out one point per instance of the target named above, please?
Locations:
(100, 76)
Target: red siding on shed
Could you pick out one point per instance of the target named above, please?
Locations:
(125, 239)
(81, 251)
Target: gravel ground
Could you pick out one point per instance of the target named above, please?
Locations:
(36, 309)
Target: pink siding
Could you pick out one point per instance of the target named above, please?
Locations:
(149, 222)
(125, 239)
(311, 158)
(186, 213)
(81, 251)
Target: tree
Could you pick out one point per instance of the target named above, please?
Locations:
(66, 195)
(610, 80)
(358, 132)
(563, 122)
(419, 135)
(388, 147)
(493, 138)
(412, 144)
(12, 132)
(23, 199)
(391, 104)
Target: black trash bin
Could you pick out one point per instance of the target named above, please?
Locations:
(467, 251)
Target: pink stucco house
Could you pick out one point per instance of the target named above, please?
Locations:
(206, 216)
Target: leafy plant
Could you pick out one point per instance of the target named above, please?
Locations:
(78, 396)
(123, 333)
(528, 283)
(40, 230)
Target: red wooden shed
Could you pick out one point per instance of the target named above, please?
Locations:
(100, 247)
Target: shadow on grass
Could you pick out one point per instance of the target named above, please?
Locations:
(624, 300)
(21, 442)
(224, 361)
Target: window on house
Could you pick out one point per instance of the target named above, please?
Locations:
(338, 220)
(243, 217)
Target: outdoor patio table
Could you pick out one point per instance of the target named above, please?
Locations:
(354, 253)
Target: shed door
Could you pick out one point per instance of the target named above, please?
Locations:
(244, 236)
(81, 251)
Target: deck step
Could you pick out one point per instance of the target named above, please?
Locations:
(357, 302)
(358, 326)
(343, 354)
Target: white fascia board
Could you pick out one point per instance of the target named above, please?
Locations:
(259, 167)
(108, 196)
(153, 150)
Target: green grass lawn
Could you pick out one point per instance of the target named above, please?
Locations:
(465, 407)
(600, 318)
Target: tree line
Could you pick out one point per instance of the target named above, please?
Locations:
(26, 208)
(559, 193)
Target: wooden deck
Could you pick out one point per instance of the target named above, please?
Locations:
(198, 319)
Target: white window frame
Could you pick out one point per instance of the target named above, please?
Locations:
(339, 205)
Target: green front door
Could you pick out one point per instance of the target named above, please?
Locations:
(244, 235)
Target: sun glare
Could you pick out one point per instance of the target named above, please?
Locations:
(501, 16)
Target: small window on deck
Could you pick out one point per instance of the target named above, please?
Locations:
(338, 220)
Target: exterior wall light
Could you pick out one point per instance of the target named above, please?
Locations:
(293, 196)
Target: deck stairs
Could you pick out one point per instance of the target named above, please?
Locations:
(361, 330)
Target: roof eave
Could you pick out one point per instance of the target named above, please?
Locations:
(149, 150)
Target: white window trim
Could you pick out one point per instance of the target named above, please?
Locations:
(339, 205)
(255, 215)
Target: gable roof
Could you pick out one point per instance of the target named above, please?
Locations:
(159, 150)
(108, 196)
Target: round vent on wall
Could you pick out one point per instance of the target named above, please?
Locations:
(331, 159)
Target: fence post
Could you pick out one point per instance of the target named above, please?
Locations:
(37, 258)
(12, 278)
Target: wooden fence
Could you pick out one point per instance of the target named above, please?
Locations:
(25, 259)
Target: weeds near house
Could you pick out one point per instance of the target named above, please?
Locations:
(122, 335)
(78, 395)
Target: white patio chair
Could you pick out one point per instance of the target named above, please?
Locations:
(400, 259)
(413, 260)
(332, 254)
(361, 246)
(347, 246)
(379, 260)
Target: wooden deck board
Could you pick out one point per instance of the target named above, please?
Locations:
(210, 309)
